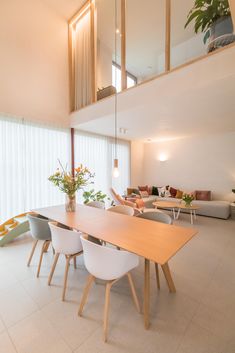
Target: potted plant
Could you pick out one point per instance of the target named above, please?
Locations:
(211, 17)
(94, 196)
(70, 183)
(188, 198)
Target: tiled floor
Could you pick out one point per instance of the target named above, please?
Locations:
(199, 318)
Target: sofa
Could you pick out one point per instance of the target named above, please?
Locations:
(218, 209)
(212, 208)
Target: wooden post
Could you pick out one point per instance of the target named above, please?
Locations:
(168, 37)
(72, 152)
(123, 45)
(232, 9)
(93, 51)
(71, 69)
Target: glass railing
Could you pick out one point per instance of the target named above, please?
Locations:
(138, 40)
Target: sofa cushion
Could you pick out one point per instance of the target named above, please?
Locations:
(173, 191)
(155, 191)
(179, 194)
(203, 195)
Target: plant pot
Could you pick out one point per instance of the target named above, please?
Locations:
(70, 203)
(221, 33)
(220, 27)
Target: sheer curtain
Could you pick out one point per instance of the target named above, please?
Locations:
(97, 153)
(29, 153)
(83, 62)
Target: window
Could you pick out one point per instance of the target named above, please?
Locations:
(116, 80)
(97, 153)
(29, 154)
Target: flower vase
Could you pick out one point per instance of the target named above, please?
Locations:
(188, 204)
(70, 203)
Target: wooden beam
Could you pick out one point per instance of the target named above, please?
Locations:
(232, 9)
(168, 37)
(93, 51)
(71, 69)
(72, 152)
(123, 45)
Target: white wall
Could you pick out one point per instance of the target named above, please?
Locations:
(137, 159)
(206, 163)
(33, 62)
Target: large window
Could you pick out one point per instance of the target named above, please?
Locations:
(117, 78)
(97, 153)
(29, 153)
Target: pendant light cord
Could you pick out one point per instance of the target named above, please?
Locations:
(115, 104)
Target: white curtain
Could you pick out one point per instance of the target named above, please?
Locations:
(29, 154)
(97, 153)
(82, 62)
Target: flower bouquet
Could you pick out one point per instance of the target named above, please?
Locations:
(69, 183)
(188, 198)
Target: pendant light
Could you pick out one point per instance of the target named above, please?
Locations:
(115, 162)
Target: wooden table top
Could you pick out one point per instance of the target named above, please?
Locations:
(166, 204)
(169, 204)
(152, 240)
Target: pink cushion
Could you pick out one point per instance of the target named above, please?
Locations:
(203, 195)
(144, 193)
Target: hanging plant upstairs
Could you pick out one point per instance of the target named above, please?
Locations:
(211, 17)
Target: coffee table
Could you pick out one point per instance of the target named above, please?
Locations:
(167, 205)
(192, 210)
(173, 206)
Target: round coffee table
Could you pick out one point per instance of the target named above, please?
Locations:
(167, 205)
(192, 210)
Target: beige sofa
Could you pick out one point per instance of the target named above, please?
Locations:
(218, 209)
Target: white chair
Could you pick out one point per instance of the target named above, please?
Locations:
(123, 209)
(96, 204)
(157, 217)
(66, 242)
(110, 265)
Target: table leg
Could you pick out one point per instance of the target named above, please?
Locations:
(173, 210)
(146, 292)
(191, 216)
(167, 274)
(178, 213)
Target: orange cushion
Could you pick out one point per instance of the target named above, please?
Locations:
(179, 194)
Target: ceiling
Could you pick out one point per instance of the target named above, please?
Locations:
(64, 8)
(196, 99)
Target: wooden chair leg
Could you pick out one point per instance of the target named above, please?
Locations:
(41, 256)
(106, 310)
(85, 294)
(47, 246)
(133, 292)
(53, 268)
(65, 277)
(75, 262)
(32, 252)
(157, 275)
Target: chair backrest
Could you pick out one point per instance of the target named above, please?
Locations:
(65, 241)
(156, 216)
(39, 227)
(127, 210)
(107, 263)
(96, 204)
(117, 198)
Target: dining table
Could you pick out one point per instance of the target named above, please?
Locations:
(154, 241)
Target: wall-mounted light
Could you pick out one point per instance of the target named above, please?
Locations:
(163, 157)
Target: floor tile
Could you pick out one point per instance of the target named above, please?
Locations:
(15, 304)
(6, 345)
(36, 335)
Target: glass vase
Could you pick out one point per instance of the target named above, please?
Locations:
(70, 203)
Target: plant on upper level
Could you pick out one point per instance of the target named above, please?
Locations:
(205, 13)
